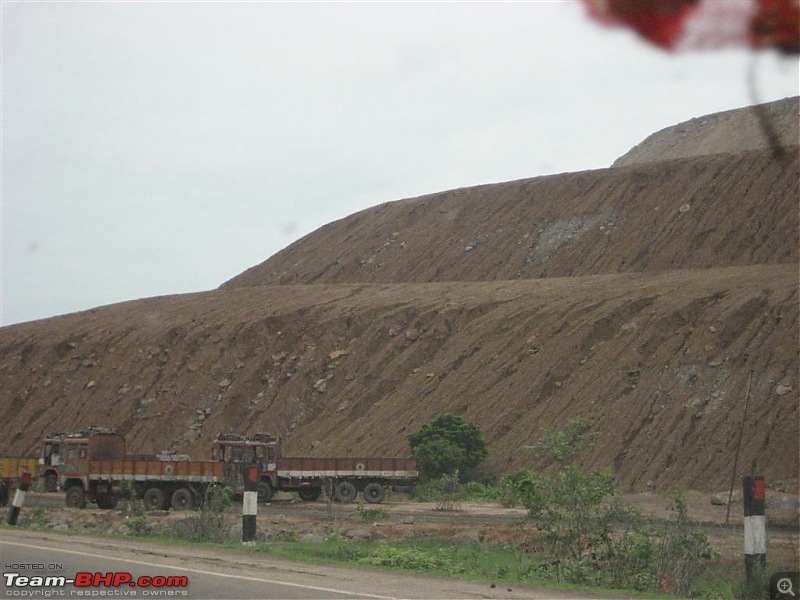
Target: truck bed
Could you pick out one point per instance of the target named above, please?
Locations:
(156, 470)
(11, 467)
(338, 468)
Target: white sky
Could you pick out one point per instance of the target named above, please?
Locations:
(153, 148)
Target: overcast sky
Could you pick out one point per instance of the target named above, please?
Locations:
(162, 148)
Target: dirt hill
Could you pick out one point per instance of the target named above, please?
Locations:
(729, 131)
(641, 297)
(714, 211)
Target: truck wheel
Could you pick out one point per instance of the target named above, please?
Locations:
(50, 482)
(75, 497)
(344, 492)
(182, 499)
(309, 494)
(108, 502)
(154, 499)
(374, 493)
(265, 492)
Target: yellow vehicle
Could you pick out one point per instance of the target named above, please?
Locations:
(11, 468)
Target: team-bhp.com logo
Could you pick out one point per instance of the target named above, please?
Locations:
(90, 584)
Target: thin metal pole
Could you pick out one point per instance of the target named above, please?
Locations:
(738, 448)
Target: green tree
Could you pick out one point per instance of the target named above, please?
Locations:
(448, 444)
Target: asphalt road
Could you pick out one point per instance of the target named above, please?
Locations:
(215, 573)
(32, 559)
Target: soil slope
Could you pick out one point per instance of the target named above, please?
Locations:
(729, 131)
(714, 211)
(642, 297)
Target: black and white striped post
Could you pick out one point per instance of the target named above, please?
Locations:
(755, 537)
(249, 504)
(19, 497)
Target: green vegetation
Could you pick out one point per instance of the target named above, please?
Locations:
(430, 555)
(371, 515)
(592, 537)
(211, 524)
(446, 445)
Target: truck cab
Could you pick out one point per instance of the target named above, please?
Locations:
(261, 449)
(61, 449)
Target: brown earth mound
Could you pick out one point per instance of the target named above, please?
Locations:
(730, 131)
(641, 297)
(708, 212)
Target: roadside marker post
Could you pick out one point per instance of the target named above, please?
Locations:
(755, 537)
(19, 497)
(249, 504)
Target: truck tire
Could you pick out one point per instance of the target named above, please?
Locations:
(344, 492)
(309, 494)
(50, 482)
(107, 502)
(265, 492)
(154, 499)
(75, 497)
(182, 499)
(374, 493)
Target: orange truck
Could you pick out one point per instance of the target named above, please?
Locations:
(94, 467)
(341, 478)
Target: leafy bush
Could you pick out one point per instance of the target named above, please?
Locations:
(437, 457)
(411, 558)
(595, 539)
(138, 525)
(514, 488)
(211, 525)
(449, 493)
(474, 490)
(370, 515)
(683, 549)
(447, 444)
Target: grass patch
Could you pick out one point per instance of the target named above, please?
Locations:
(432, 556)
(427, 555)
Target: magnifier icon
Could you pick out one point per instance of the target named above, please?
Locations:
(785, 586)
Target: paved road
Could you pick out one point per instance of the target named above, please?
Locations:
(221, 573)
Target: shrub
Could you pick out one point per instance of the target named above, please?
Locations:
(683, 549)
(211, 524)
(448, 444)
(593, 537)
(412, 558)
(370, 515)
(515, 487)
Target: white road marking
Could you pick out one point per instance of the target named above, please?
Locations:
(201, 572)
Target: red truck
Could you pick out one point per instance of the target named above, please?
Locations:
(341, 478)
(96, 468)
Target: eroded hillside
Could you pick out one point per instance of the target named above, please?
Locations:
(641, 297)
(722, 210)
(735, 130)
(659, 363)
